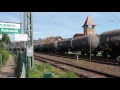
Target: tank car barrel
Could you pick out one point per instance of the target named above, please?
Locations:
(83, 42)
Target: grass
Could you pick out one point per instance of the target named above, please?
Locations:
(41, 68)
(68, 74)
(5, 57)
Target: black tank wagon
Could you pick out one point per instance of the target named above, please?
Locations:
(110, 43)
(64, 45)
(82, 43)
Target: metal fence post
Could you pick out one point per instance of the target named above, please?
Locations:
(1, 60)
(27, 67)
(77, 57)
(25, 61)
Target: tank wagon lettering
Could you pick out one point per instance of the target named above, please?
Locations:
(107, 39)
(115, 38)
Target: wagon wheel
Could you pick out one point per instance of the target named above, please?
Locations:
(95, 53)
(83, 53)
(113, 55)
(88, 54)
(104, 54)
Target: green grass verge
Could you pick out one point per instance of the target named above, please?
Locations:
(41, 68)
(5, 56)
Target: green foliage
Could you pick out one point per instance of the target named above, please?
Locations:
(40, 69)
(5, 55)
(1, 45)
(55, 76)
(68, 74)
(44, 67)
(6, 39)
(36, 72)
(4, 43)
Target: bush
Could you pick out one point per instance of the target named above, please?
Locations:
(5, 55)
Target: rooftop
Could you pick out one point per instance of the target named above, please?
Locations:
(89, 22)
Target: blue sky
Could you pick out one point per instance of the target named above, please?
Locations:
(65, 24)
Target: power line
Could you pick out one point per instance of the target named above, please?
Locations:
(114, 16)
(68, 25)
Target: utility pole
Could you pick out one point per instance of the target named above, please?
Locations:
(90, 28)
(90, 47)
(28, 29)
(20, 31)
(25, 28)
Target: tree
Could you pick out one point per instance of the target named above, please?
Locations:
(6, 39)
(4, 43)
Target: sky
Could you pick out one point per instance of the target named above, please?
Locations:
(64, 24)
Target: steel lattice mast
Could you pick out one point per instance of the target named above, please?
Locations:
(28, 29)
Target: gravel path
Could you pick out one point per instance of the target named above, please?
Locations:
(8, 69)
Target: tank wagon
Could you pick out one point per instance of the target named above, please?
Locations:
(64, 46)
(49, 44)
(36, 45)
(53, 46)
(110, 43)
(81, 43)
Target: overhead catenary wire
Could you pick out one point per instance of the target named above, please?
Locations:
(52, 17)
(69, 25)
(115, 16)
(113, 26)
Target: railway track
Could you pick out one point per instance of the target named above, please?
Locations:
(79, 70)
(93, 59)
(101, 60)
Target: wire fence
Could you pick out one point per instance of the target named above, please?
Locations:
(21, 69)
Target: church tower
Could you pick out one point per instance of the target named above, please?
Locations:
(86, 24)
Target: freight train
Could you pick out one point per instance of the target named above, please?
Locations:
(107, 42)
(81, 43)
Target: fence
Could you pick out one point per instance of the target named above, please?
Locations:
(21, 70)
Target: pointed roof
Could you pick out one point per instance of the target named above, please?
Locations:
(89, 22)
